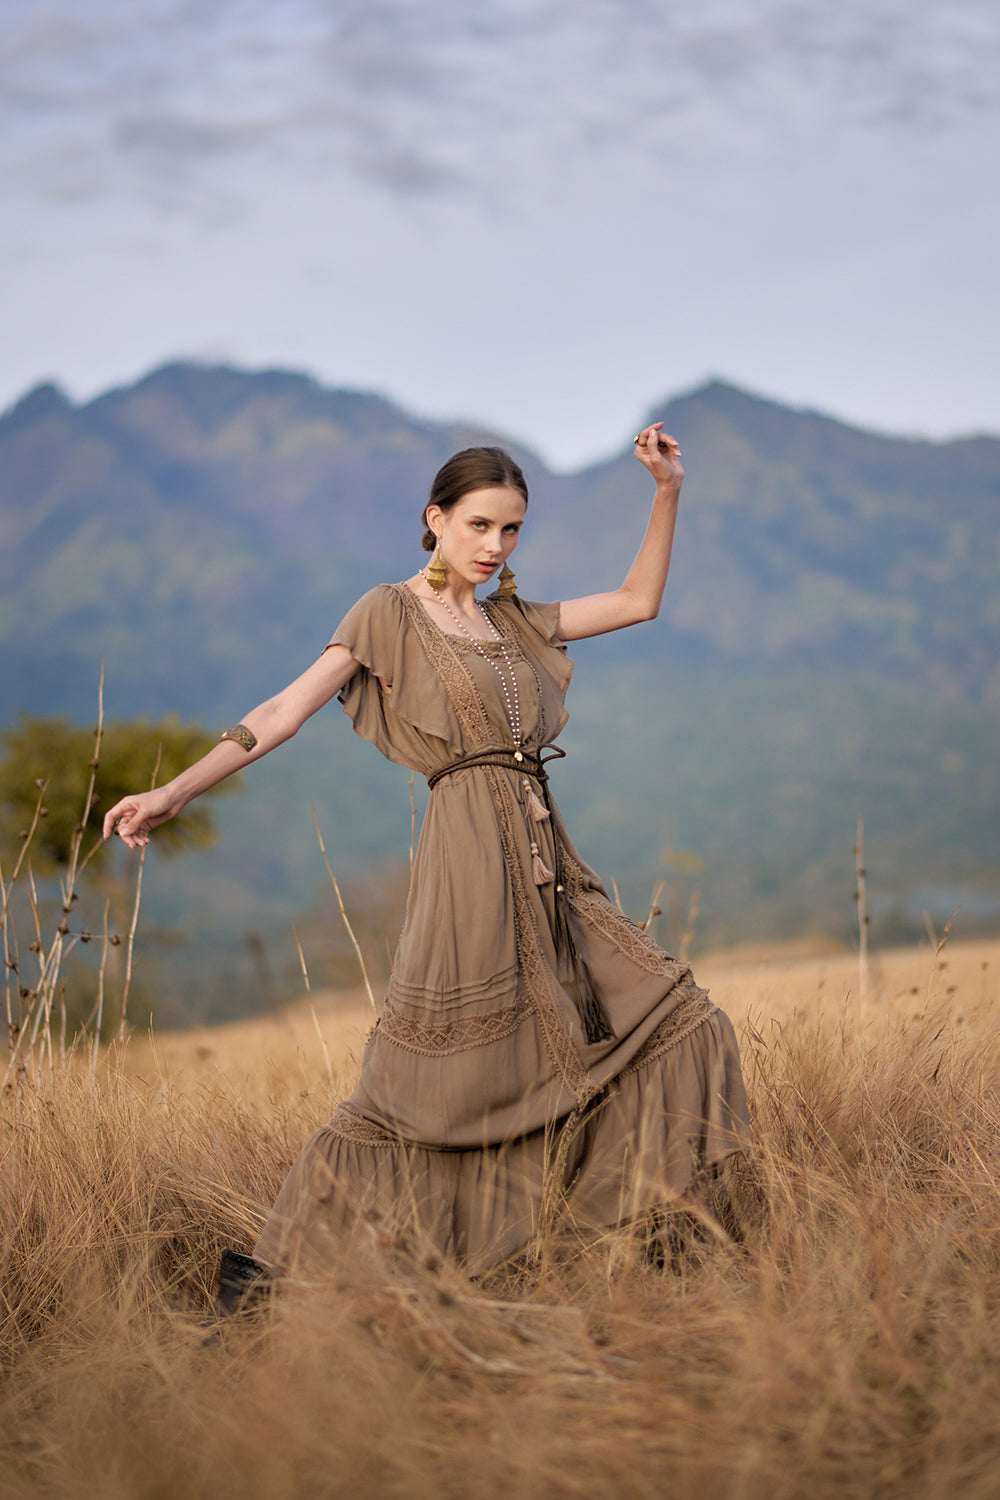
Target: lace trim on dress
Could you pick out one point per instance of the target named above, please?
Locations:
(431, 1039)
(351, 1125)
(693, 1011)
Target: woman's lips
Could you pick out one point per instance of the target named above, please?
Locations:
(487, 567)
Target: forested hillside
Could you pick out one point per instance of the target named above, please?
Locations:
(828, 645)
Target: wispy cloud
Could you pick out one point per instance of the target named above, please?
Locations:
(161, 97)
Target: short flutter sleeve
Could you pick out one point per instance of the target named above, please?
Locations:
(396, 701)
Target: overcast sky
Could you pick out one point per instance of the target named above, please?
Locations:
(545, 215)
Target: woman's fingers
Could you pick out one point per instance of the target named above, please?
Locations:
(111, 818)
(656, 449)
(653, 437)
(125, 820)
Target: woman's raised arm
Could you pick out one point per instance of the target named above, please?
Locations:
(271, 723)
(642, 590)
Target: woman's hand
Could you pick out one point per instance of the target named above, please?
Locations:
(137, 816)
(658, 452)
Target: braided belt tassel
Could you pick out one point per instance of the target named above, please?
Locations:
(595, 1019)
(540, 872)
(596, 1023)
(536, 806)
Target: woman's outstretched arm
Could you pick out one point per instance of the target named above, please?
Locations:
(272, 723)
(640, 594)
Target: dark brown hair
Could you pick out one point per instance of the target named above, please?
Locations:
(472, 469)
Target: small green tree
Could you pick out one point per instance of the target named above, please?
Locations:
(57, 755)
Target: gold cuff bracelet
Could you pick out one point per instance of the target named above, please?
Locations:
(242, 735)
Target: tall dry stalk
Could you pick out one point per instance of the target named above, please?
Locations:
(12, 957)
(655, 910)
(134, 923)
(343, 913)
(99, 1011)
(312, 1007)
(687, 936)
(860, 896)
(69, 881)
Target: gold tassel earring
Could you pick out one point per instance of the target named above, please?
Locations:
(435, 572)
(507, 587)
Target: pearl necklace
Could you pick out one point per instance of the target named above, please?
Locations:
(513, 702)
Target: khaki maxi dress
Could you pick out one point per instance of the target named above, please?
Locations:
(481, 1104)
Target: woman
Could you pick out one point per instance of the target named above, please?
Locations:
(536, 1049)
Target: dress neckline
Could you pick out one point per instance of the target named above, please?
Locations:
(487, 642)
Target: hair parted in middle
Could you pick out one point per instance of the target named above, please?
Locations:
(472, 469)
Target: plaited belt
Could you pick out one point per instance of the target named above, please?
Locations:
(528, 765)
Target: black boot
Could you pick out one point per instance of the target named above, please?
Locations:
(244, 1284)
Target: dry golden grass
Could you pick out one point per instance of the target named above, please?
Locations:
(850, 1346)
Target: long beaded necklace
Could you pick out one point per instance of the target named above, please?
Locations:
(536, 809)
(511, 699)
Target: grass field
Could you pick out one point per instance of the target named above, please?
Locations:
(850, 1346)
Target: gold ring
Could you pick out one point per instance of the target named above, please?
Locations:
(637, 438)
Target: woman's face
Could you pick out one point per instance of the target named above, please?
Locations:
(480, 532)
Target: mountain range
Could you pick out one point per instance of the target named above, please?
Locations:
(827, 646)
